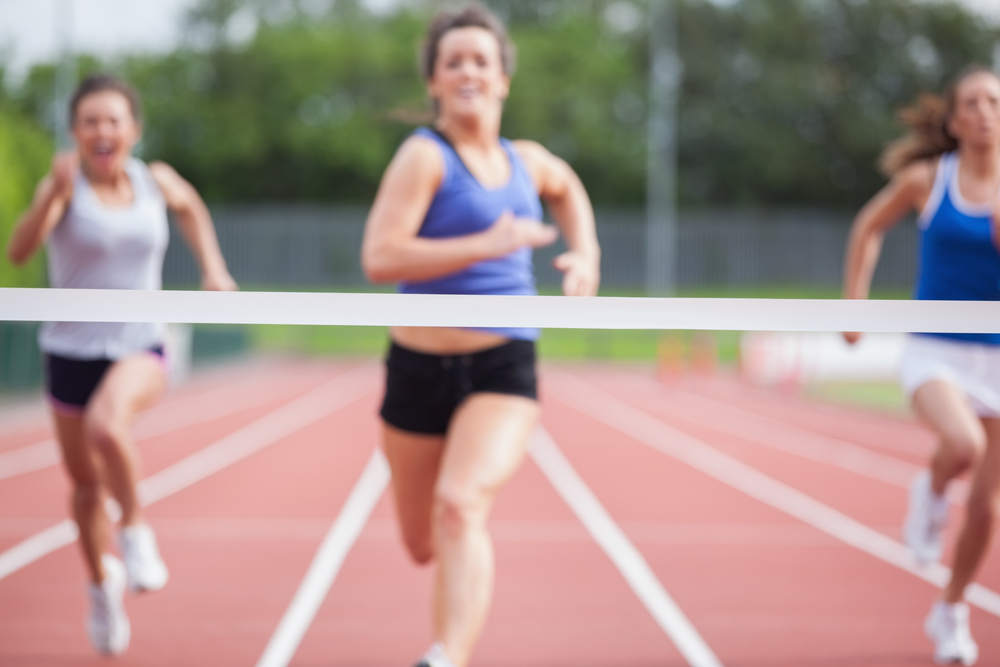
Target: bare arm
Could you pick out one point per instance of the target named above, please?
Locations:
(48, 206)
(195, 225)
(563, 192)
(906, 192)
(392, 251)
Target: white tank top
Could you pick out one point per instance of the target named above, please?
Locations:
(97, 246)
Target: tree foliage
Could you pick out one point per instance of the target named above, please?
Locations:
(783, 102)
(25, 152)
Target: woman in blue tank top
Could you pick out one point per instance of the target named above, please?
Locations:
(458, 212)
(103, 215)
(947, 170)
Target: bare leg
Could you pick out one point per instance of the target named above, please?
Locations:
(963, 440)
(415, 461)
(130, 386)
(981, 513)
(84, 469)
(486, 443)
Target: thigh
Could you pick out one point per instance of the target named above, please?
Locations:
(415, 460)
(945, 408)
(986, 480)
(130, 386)
(486, 443)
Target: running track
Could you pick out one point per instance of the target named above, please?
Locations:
(697, 522)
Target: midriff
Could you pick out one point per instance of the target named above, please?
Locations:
(444, 340)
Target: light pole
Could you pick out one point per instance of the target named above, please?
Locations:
(665, 73)
(65, 70)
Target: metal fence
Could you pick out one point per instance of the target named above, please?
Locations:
(304, 246)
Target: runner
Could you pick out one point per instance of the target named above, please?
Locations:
(458, 212)
(948, 170)
(103, 215)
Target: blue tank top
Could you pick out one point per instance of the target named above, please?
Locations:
(958, 259)
(462, 205)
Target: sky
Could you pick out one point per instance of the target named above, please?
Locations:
(29, 29)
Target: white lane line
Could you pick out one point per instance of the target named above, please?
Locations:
(774, 434)
(326, 563)
(621, 551)
(208, 405)
(29, 458)
(273, 427)
(644, 428)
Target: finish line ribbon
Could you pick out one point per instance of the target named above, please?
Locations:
(547, 312)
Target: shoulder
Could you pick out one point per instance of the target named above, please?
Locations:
(176, 191)
(532, 153)
(419, 159)
(161, 171)
(550, 173)
(917, 178)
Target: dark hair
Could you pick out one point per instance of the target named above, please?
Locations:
(471, 15)
(928, 122)
(98, 83)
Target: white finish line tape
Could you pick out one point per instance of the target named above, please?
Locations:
(555, 312)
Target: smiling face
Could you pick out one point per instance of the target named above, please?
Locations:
(975, 119)
(105, 132)
(469, 78)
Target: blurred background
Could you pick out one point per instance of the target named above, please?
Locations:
(762, 119)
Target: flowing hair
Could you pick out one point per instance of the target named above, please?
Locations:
(927, 121)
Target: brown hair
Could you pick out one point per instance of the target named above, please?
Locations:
(98, 83)
(471, 15)
(928, 122)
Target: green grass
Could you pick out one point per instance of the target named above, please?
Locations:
(566, 344)
(875, 395)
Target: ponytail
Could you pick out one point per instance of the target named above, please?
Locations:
(927, 121)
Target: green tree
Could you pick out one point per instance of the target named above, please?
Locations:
(25, 154)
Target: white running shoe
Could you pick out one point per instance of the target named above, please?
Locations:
(146, 570)
(108, 626)
(948, 627)
(435, 657)
(925, 520)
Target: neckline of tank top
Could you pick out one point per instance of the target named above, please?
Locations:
(111, 208)
(510, 162)
(963, 205)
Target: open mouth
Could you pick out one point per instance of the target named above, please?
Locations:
(103, 150)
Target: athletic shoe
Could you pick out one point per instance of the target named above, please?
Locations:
(435, 657)
(108, 626)
(925, 520)
(146, 571)
(948, 627)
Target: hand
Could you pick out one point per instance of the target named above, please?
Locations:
(510, 233)
(64, 168)
(219, 281)
(581, 273)
(851, 337)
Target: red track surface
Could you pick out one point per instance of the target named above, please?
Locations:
(761, 587)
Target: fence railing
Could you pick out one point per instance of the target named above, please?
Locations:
(313, 246)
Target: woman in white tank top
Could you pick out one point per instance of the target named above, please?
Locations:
(103, 215)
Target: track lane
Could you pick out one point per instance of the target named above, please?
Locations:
(863, 577)
(227, 592)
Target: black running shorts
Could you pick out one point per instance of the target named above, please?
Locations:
(422, 391)
(70, 383)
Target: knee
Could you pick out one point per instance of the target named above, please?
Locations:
(421, 552)
(964, 449)
(419, 546)
(456, 513)
(105, 432)
(87, 497)
(981, 513)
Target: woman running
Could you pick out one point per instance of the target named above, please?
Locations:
(948, 170)
(458, 212)
(103, 215)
